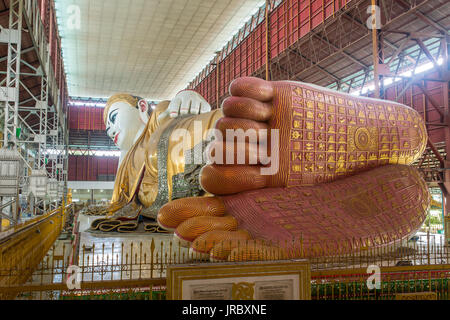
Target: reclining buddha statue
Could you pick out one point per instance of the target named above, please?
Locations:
(323, 171)
(149, 175)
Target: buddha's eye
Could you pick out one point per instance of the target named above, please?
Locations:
(112, 117)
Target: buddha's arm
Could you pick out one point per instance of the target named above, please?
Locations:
(133, 163)
(155, 119)
(139, 168)
(166, 156)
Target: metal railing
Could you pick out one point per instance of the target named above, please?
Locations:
(395, 283)
(137, 270)
(22, 249)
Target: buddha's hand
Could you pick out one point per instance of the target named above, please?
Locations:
(186, 102)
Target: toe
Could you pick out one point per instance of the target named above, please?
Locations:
(254, 88)
(255, 250)
(204, 243)
(219, 152)
(176, 212)
(222, 250)
(225, 180)
(193, 228)
(236, 128)
(247, 108)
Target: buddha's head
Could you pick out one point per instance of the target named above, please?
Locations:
(124, 117)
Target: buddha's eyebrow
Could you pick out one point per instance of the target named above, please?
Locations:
(111, 113)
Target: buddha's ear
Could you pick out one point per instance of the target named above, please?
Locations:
(144, 110)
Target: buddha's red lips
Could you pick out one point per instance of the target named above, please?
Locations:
(116, 138)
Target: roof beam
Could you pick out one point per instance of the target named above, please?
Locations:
(315, 65)
(342, 51)
(423, 17)
(388, 43)
(360, 24)
(427, 53)
(399, 49)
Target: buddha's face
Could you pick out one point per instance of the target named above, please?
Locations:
(123, 124)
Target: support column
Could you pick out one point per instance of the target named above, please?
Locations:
(445, 88)
(10, 88)
(218, 80)
(375, 50)
(12, 81)
(267, 14)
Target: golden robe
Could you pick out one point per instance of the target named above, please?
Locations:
(139, 168)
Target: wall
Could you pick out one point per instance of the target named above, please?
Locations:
(91, 168)
(86, 118)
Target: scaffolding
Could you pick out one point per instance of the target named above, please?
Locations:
(33, 99)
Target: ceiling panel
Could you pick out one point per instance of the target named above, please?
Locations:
(151, 48)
